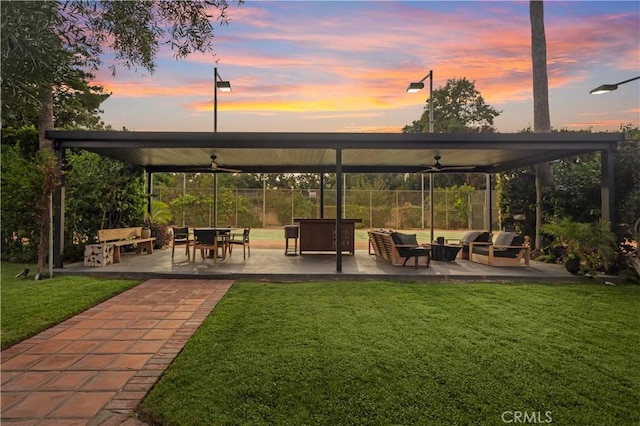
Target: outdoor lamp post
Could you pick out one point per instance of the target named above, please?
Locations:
(413, 88)
(416, 87)
(610, 87)
(223, 86)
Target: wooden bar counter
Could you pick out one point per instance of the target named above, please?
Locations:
(320, 234)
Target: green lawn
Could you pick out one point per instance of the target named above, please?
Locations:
(381, 353)
(29, 307)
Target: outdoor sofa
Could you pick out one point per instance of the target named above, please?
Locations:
(508, 249)
(397, 248)
(468, 238)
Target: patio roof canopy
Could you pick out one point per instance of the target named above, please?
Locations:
(316, 152)
(337, 153)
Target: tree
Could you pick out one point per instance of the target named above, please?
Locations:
(516, 197)
(101, 193)
(457, 107)
(34, 59)
(21, 187)
(577, 190)
(45, 44)
(627, 179)
(541, 120)
(76, 105)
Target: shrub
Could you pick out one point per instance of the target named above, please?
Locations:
(592, 243)
(21, 190)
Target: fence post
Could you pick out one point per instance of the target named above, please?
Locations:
(422, 200)
(264, 202)
(370, 208)
(446, 208)
(292, 206)
(397, 211)
(184, 192)
(237, 199)
(469, 211)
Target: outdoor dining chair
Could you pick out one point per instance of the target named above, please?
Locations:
(180, 238)
(240, 239)
(205, 239)
(223, 240)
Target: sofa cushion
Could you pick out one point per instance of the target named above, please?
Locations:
(400, 239)
(404, 239)
(504, 239)
(518, 240)
(475, 236)
(497, 252)
(470, 236)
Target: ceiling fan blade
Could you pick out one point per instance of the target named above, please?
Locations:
(428, 168)
(458, 168)
(216, 168)
(224, 169)
(437, 167)
(461, 169)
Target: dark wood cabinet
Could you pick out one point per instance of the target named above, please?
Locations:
(320, 234)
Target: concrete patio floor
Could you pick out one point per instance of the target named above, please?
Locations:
(271, 264)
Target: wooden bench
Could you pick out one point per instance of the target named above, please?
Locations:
(385, 248)
(120, 237)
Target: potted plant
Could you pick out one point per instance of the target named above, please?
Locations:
(586, 247)
(157, 223)
(146, 232)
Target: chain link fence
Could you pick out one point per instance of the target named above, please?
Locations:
(264, 208)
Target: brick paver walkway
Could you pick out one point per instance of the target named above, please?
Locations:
(95, 368)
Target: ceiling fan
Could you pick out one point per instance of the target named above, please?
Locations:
(437, 167)
(216, 168)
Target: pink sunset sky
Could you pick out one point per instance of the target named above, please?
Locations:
(344, 66)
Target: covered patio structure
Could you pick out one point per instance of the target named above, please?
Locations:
(338, 153)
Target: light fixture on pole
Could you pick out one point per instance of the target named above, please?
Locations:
(417, 86)
(610, 87)
(223, 86)
(413, 88)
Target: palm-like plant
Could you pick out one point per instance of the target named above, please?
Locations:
(593, 244)
(158, 222)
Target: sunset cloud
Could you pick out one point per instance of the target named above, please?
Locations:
(338, 61)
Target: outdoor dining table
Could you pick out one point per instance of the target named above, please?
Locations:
(219, 231)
